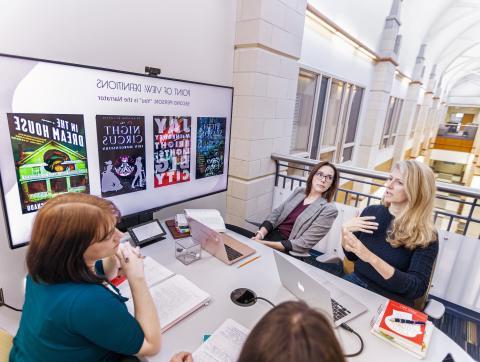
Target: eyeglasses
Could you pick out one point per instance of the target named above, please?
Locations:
(322, 176)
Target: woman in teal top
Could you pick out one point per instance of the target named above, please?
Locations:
(71, 312)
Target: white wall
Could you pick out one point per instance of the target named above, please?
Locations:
(327, 53)
(187, 39)
(362, 19)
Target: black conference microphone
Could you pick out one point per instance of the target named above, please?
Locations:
(245, 297)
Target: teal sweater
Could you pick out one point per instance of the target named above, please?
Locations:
(74, 322)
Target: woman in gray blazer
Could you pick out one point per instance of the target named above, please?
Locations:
(305, 217)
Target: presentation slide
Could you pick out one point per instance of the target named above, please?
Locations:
(142, 142)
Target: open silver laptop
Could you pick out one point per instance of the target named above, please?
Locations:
(320, 293)
(221, 246)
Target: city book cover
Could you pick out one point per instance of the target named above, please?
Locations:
(121, 154)
(171, 149)
(210, 146)
(50, 156)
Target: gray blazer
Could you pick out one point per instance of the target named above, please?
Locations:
(311, 225)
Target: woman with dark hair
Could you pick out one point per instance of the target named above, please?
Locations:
(305, 217)
(290, 332)
(71, 312)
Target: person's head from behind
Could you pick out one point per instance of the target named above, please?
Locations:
(323, 179)
(70, 232)
(411, 187)
(292, 332)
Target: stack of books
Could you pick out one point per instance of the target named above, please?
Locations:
(181, 224)
(404, 327)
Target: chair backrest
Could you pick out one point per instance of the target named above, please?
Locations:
(420, 303)
(6, 342)
(332, 242)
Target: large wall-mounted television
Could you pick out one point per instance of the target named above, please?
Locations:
(143, 142)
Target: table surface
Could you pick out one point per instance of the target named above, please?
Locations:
(219, 279)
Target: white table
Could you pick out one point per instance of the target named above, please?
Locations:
(219, 279)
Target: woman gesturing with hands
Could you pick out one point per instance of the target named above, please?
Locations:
(364, 224)
(394, 245)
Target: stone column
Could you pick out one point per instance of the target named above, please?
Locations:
(268, 45)
(431, 123)
(409, 107)
(422, 125)
(380, 90)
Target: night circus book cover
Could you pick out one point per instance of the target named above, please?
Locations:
(121, 154)
(50, 156)
(171, 149)
(210, 146)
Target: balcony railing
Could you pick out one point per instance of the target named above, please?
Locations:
(457, 208)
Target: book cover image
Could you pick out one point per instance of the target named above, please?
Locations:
(121, 154)
(210, 146)
(409, 331)
(50, 156)
(171, 149)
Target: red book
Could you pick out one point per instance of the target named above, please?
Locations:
(413, 332)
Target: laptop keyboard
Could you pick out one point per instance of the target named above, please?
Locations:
(339, 311)
(232, 253)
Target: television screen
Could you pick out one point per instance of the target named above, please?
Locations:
(143, 142)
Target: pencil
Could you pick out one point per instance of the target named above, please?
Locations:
(248, 261)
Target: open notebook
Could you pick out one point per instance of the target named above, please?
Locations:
(174, 295)
(224, 345)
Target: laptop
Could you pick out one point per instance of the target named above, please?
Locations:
(221, 246)
(318, 293)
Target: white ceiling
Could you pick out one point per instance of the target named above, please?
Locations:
(451, 30)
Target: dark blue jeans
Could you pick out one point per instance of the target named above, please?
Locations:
(333, 268)
(355, 279)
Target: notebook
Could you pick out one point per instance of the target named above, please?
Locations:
(174, 295)
(225, 344)
(210, 217)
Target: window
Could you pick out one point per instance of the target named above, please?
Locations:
(341, 121)
(326, 117)
(304, 105)
(349, 143)
(78, 181)
(391, 122)
(59, 185)
(35, 187)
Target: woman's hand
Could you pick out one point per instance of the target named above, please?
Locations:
(351, 243)
(361, 223)
(131, 261)
(182, 357)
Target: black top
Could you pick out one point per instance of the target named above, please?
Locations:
(412, 267)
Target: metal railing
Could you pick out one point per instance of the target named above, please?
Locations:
(456, 207)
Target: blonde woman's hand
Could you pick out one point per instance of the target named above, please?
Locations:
(364, 224)
(352, 244)
(182, 357)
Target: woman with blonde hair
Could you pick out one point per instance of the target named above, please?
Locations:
(394, 245)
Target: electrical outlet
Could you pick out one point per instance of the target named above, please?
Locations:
(2, 301)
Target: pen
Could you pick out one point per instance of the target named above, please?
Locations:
(407, 321)
(248, 261)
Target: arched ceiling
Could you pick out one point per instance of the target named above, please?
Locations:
(451, 30)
